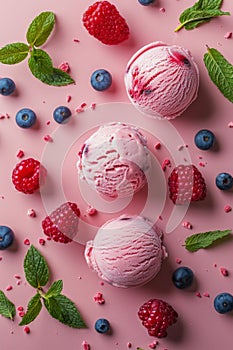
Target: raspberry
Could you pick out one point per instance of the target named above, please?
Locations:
(28, 175)
(62, 224)
(103, 21)
(186, 184)
(157, 315)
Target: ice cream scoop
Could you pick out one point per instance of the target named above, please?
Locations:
(115, 160)
(162, 80)
(126, 252)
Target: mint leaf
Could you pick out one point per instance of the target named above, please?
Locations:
(220, 72)
(54, 290)
(65, 311)
(56, 78)
(33, 310)
(40, 62)
(35, 268)
(40, 28)
(13, 53)
(7, 308)
(204, 240)
(201, 12)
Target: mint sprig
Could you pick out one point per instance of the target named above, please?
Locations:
(35, 268)
(39, 62)
(201, 12)
(33, 310)
(204, 239)
(7, 308)
(220, 72)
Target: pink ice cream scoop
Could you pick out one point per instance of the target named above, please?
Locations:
(115, 160)
(162, 80)
(126, 252)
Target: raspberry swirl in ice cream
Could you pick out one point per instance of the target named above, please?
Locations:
(115, 160)
(162, 80)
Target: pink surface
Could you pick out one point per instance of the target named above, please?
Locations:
(199, 326)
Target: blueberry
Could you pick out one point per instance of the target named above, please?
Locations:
(6, 237)
(7, 86)
(204, 139)
(61, 114)
(102, 325)
(223, 303)
(25, 118)
(101, 80)
(224, 181)
(182, 277)
(146, 2)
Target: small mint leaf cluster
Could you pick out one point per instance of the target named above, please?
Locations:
(39, 62)
(58, 305)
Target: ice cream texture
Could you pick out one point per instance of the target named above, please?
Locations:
(126, 252)
(162, 80)
(115, 160)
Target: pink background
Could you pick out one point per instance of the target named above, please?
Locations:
(199, 326)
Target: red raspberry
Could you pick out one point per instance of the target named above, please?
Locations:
(28, 175)
(157, 316)
(104, 22)
(62, 224)
(186, 184)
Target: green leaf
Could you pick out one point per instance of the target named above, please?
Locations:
(54, 290)
(7, 308)
(220, 72)
(201, 12)
(13, 53)
(65, 311)
(204, 240)
(56, 78)
(40, 28)
(33, 310)
(40, 62)
(35, 268)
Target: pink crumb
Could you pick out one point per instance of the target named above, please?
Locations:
(83, 105)
(31, 213)
(101, 283)
(187, 225)
(21, 313)
(215, 265)
(18, 283)
(165, 164)
(99, 298)
(0, 258)
(224, 271)
(198, 294)
(93, 106)
(26, 241)
(129, 345)
(202, 164)
(2, 116)
(157, 145)
(9, 288)
(228, 35)
(20, 308)
(91, 211)
(64, 66)
(8, 116)
(227, 208)
(76, 40)
(48, 122)
(230, 125)
(180, 147)
(178, 261)
(162, 9)
(26, 329)
(18, 277)
(20, 154)
(68, 98)
(85, 345)
(41, 241)
(153, 344)
(207, 295)
(48, 138)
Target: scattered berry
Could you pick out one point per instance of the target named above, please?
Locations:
(101, 79)
(31, 213)
(41, 241)
(146, 2)
(206, 294)
(186, 184)
(223, 303)
(224, 271)
(64, 66)
(198, 294)
(25, 118)
(157, 315)
(62, 224)
(61, 114)
(20, 154)
(26, 241)
(103, 21)
(28, 175)
(6, 237)
(227, 208)
(85, 345)
(26, 329)
(7, 86)
(228, 35)
(224, 181)
(99, 298)
(9, 288)
(182, 277)
(204, 139)
(102, 325)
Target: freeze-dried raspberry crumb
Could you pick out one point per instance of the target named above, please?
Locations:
(157, 145)
(68, 98)
(18, 283)
(21, 313)
(2, 116)
(187, 224)
(198, 294)
(162, 9)
(166, 163)
(230, 125)
(91, 211)
(31, 213)
(17, 277)
(41, 241)
(85, 345)
(227, 208)
(48, 138)
(26, 329)
(8, 288)
(48, 122)
(228, 35)
(20, 154)
(224, 271)
(64, 66)
(93, 106)
(129, 345)
(206, 294)
(0, 258)
(99, 298)
(202, 164)
(76, 40)
(20, 308)
(178, 261)
(26, 241)
(153, 344)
